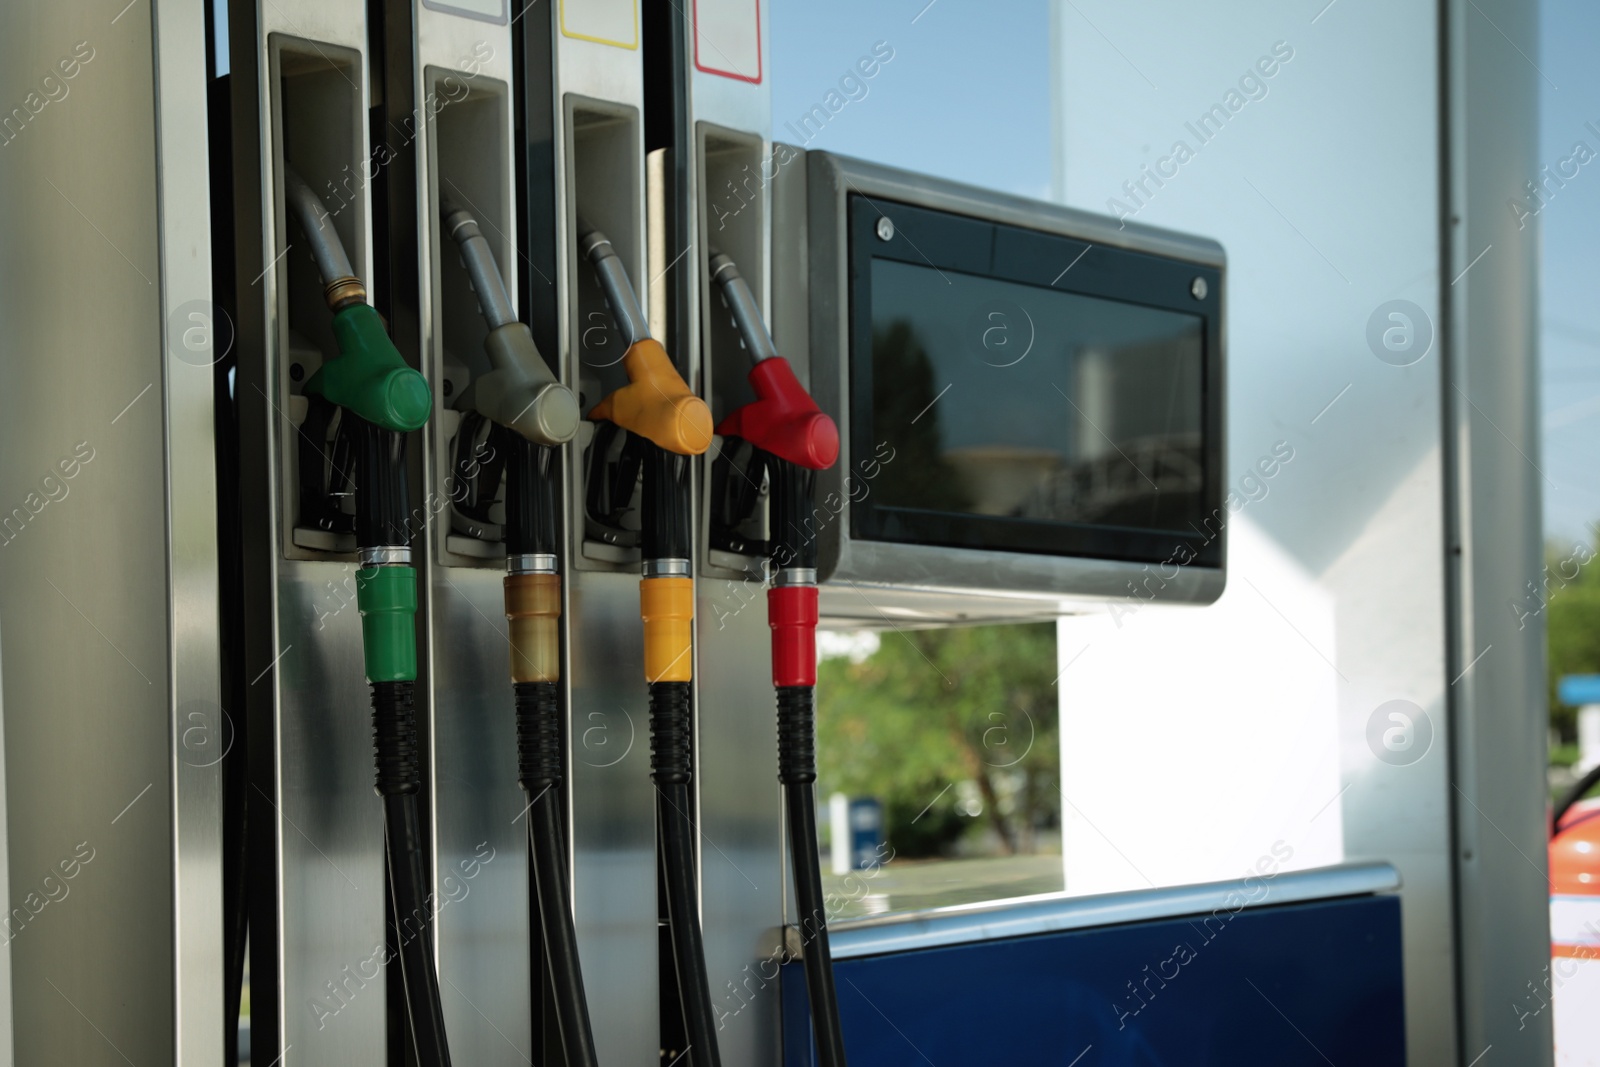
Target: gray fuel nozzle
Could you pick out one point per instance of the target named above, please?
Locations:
(520, 393)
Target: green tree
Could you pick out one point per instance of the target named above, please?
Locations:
(1567, 595)
(905, 416)
(932, 708)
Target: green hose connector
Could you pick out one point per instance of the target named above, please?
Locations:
(387, 598)
(369, 376)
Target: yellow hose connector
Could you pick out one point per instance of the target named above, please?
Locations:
(667, 607)
(533, 608)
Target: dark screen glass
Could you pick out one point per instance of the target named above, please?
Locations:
(1017, 401)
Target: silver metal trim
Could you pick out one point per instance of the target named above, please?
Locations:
(386, 556)
(1052, 913)
(795, 576)
(666, 568)
(532, 563)
(183, 208)
(1489, 386)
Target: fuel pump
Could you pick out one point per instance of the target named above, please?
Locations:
(367, 399)
(667, 426)
(533, 416)
(790, 440)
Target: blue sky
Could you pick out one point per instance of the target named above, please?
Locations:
(967, 96)
(1570, 262)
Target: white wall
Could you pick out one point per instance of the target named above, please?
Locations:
(1197, 740)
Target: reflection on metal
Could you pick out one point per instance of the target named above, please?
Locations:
(715, 199)
(460, 74)
(1048, 914)
(108, 588)
(316, 924)
(593, 163)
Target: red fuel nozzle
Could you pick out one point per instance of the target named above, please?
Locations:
(783, 420)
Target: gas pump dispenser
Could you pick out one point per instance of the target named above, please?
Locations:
(368, 399)
(533, 415)
(667, 426)
(791, 440)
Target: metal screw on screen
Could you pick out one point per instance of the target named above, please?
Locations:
(885, 228)
(1198, 288)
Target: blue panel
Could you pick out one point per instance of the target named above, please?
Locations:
(1575, 690)
(1303, 984)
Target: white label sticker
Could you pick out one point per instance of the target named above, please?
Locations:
(613, 22)
(727, 38)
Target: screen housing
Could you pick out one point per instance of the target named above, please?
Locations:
(954, 249)
(871, 581)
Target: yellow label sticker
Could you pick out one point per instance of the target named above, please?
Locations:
(612, 22)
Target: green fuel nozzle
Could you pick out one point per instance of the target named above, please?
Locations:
(368, 376)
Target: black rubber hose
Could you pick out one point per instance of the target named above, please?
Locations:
(672, 769)
(530, 498)
(1572, 796)
(667, 504)
(797, 770)
(399, 781)
(539, 771)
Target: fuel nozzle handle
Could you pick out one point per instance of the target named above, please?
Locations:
(520, 392)
(783, 421)
(368, 376)
(656, 404)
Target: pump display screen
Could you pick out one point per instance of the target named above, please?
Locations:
(1068, 418)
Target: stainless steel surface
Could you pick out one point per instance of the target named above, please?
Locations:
(316, 227)
(874, 583)
(718, 195)
(741, 304)
(666, 568)
(105, 661)
(465, 156)
(612, 275)
(532, 563)
(384, 557)
(1495, 477)
(493, 300)
(866, 582)
(184, 209)
(597, 102)
(795, 576)
(1053, 913)
(317, 957)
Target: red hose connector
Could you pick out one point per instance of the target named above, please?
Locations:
(783, 420)
(792, 614)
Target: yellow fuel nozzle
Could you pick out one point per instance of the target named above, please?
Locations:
(656, 403)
